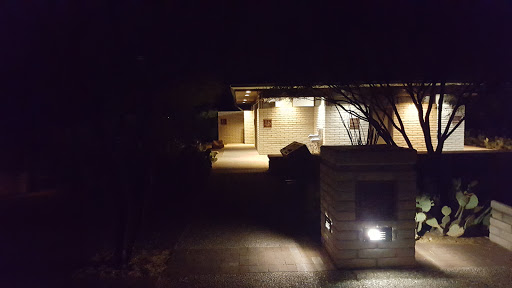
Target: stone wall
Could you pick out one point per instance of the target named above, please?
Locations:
(342, 169)
(500, 231)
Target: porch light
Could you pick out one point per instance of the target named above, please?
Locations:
(246, 95)
(328, 223)
(377, 234)
(248, 91)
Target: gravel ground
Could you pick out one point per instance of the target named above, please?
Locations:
(467, 277)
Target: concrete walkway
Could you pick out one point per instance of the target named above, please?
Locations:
(480, 264)
(238, 248)
(464, 253)
(240, 158)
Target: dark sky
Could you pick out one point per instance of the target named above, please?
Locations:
(54, 47)
(71, 65)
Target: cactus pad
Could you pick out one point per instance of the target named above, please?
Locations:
(446, 210)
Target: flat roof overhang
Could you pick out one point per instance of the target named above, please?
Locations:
(245, 96)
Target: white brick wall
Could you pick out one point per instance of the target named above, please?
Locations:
(335, 133)
(409, 115)
(288, 124)
(456, 141)
(249, 127)
(296, 123)
(500, 230)
(319, 119)
(256, 126)
(233, 132)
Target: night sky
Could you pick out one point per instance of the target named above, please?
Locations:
(62, 58)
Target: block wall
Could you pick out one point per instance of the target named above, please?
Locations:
(500, 230)
(342, 167)
(249, 127)
(456, 141)
(335, 132)
(288, 124)
(319, 118)
(409, 115)
(233, 131)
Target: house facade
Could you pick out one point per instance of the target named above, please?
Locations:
(271, 124)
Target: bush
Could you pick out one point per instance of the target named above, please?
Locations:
(497, 143)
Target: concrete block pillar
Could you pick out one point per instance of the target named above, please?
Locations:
(368, 193)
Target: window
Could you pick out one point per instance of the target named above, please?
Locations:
(354, 123)
(223, 121)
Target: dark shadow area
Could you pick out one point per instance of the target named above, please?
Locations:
(47, 236)
(285, 205)
(490, 168)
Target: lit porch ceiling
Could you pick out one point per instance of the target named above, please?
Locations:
(246, 96)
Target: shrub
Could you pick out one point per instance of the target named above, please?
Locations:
(497, 143)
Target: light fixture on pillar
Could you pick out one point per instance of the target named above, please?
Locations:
(378, 234)
(328, 223)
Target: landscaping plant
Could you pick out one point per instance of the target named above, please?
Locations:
(423, 205)
(467, 214)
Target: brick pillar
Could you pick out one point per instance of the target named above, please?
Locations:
(348, 174)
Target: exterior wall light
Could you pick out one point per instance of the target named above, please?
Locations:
(377, 234)
(328, 223)
(246, 95)
(248, 91)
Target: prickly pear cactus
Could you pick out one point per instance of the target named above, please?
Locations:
(420, 218)
(467, 214)
(432, 222)
(446, 210)
(455, 230)
(423, 205)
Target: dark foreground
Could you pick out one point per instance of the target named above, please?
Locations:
(243, 230)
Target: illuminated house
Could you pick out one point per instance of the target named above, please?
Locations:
(271, 124)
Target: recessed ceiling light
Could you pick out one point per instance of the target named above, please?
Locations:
(248, 91)
(246, 95)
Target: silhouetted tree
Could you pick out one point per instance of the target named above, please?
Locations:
(376, 103)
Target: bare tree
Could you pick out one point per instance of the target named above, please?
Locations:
(378, 104)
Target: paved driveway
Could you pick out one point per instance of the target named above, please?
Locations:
(253, 230)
